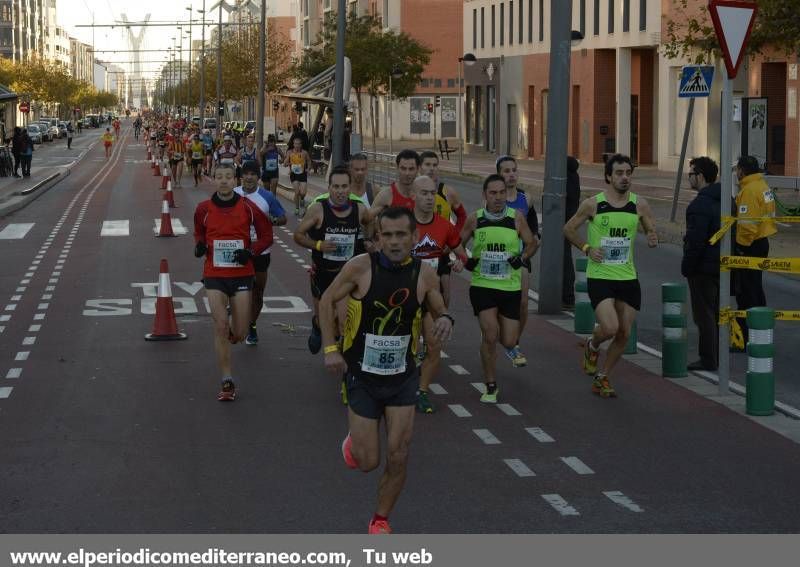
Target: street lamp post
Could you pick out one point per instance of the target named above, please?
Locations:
(262, 63)
(203, 67)
(189, 86)
(219, 67)
(395, 74)
(469, 60)
(180, 67)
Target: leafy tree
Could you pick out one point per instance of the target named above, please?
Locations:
(373, 54)
(777, 26)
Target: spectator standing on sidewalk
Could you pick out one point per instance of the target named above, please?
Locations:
(16, 149)
(26, 153)
(70, 133)
(700, 264)
(571, 207)
(754, 200)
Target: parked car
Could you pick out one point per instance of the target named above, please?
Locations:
(62, 129)
(35, 133)
(44, 127)
(92, 121)
(52, 129)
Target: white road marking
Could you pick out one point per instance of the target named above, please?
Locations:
(20, 289)
(16, 231)
(437, 389)
(50, 288)
(577, 465)
(30, 274)
(11, 307)
(443, 354)
(2, 329)
(116, 228)
(25, 281)
(519, 467)
(36, 263)
(56, 274)
(486, 436)
(5, 391)
(39, 256)
(16, 297)
(618, 497)
(43, 306)
(459, 410)
(5, 317)
(177, 226)
(458, 369)
(508, 409)
(539, 434)
(53, 280)
(561, 506)
(480, 386)
(14, 373)
(34, 328)
(47, 296)
(38, 316)
(28, 341)
(22, 355)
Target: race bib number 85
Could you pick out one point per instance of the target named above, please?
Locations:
(385, 356)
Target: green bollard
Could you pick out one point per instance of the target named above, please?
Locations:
(674, 341)
(584, 314)
(630, 346)
(760, 382)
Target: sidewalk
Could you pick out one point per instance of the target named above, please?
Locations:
(48, 167)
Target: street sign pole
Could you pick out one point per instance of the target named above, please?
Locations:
(725, 246)
(686, 129)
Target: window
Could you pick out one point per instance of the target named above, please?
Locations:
(451, 83)
(483, 36)
(521, 30)
(610, 16)
(642, 15)
(502, 23)
(541, 20)
(475, 28)
(530, 21)
(437, 83)
(511, 22)
(492, 25)
(626, 15)
(582, 17)
(596, 17)
(424, 83)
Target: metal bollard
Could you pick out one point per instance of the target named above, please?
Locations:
(674, 341)
(760, 382)
(630, 346)
(584, 314)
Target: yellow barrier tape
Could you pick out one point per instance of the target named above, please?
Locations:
(782, 265)
(726, 315)
(727, 223)
(736, 335)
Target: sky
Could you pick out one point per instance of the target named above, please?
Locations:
(71, 13)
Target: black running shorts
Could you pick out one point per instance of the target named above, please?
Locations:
(628, 291)
(229, 286)
(261, 263)
(320, 281)
(369, 398)
(506, 302)
(266, 175)
(300, 177)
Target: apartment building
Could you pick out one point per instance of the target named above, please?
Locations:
(80, 60)
(22, 28)
(434, 23)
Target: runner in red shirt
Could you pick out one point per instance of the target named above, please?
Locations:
(222, 235)
(436, 237)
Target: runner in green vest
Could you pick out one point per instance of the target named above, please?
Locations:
(614, 217)
(496, 264)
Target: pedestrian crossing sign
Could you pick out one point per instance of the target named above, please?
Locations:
(696, 81)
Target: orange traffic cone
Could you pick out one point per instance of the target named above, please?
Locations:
(169, 195)
(165, 326)
(165, 175)
(166, 220)
(156, 168)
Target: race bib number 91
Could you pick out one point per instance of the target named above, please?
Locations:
(223, 253)
(385, 356)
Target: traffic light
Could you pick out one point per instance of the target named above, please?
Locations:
(438, 101)
(430, 107)
(221, 108)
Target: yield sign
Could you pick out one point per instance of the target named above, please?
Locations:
(733, 22)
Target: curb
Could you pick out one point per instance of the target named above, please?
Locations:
(21, 199)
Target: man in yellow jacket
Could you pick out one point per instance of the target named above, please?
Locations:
(754, 200)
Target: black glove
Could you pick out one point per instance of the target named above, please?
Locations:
(517, 262)
(200, 249)
(471, 264)
(242, 256)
